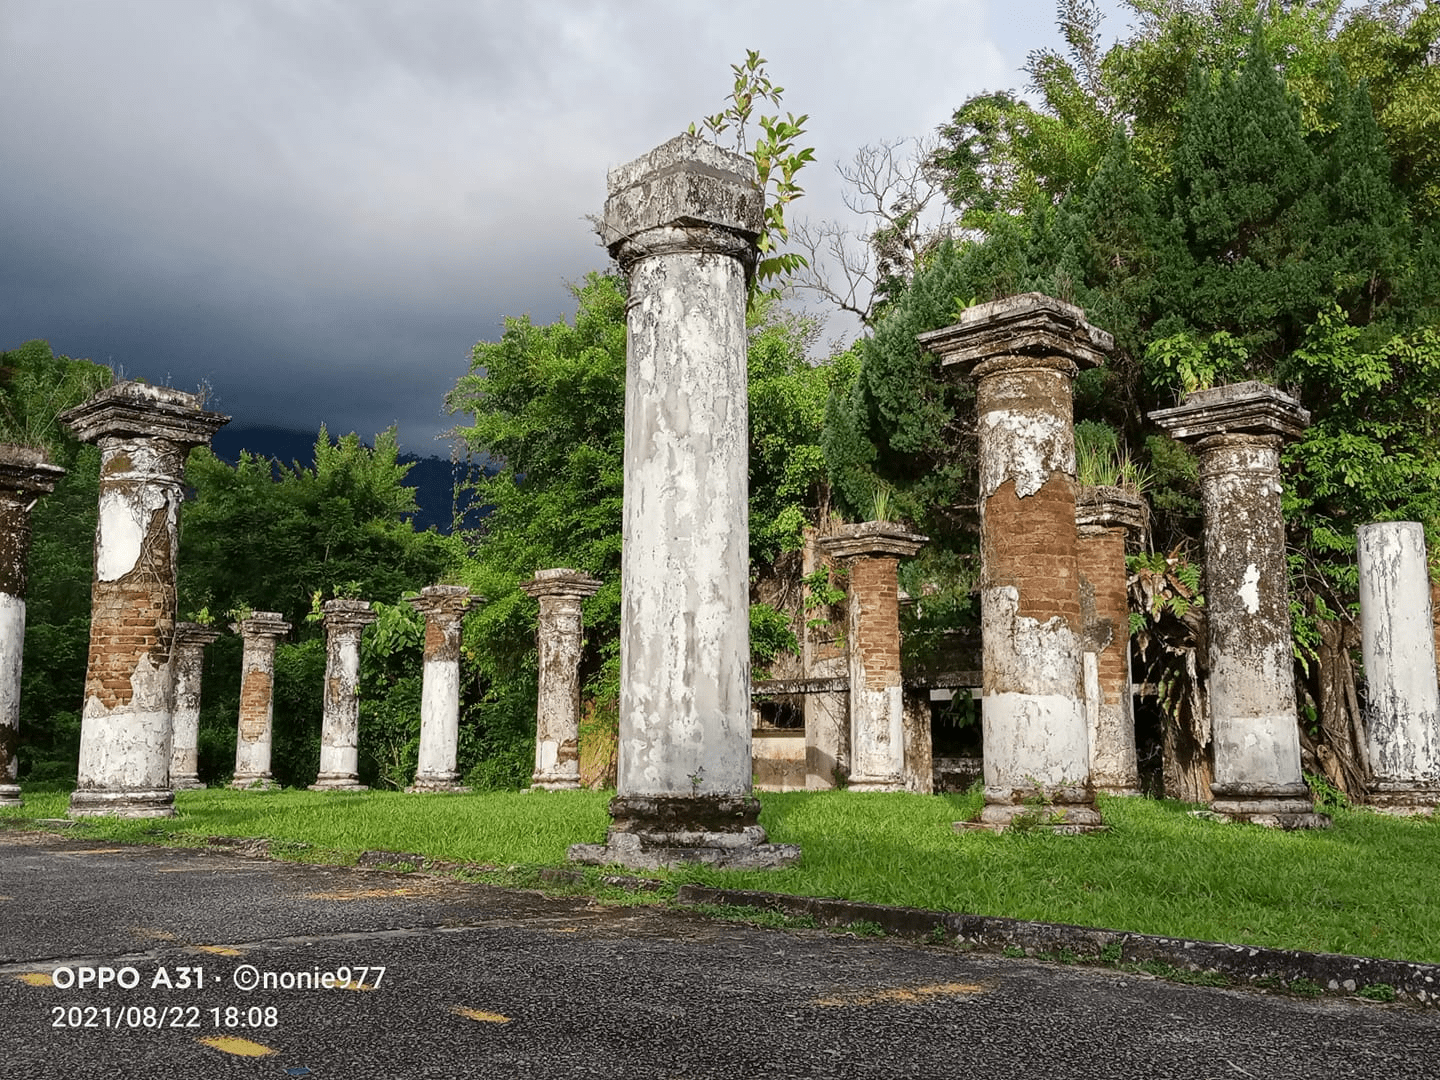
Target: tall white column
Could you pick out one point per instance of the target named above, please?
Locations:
(444, 608)
(559, 639)
(190, 641)
(683, 222)
(1239, 431)
(1402, 718)
(24, 477)
(345, 621)
(144, 434)
(255, 733)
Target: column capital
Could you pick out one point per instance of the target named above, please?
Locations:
(1019, 332)
(685, 195)
(342, 615)
(193, 633)
(561, 583)
(131, 409)
(1247, 408)
(1101, 506)
(261, 624)
(25, 474)
(444, 602)
(873, 539)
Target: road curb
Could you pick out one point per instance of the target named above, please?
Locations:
(1244, 964)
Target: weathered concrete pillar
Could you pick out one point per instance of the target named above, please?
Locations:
(1024, 353)
(144, 434)
(190, 641)
(683, 222)
(444, 608)
(557, 710)
(1102, 517)
(256, 731)
(827, 715)
(1238, 431)
(345, 621)
(872, 551)
(1396, 639)
(24, 477)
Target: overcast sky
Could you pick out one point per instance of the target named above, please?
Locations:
(319, 206)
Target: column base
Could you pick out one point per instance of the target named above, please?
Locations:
(658, 832)
(1399, 798)
(554, 785)
(254, 783)
(876, 783)
(187, 783)
(341, 782)
(1278, 806)
(1128, 790)
(10, 795)
(437, 784)
(1067, 810)
(96, 802)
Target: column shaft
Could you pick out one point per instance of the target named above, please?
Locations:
(345, 621)
(190, 641)
(24, 477)
(256, 730)
(1403, 713)
(444, 608)
(559, 640)
(144, 434)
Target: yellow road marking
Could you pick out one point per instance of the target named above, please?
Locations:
(220, 950)
(901, 995)
(151, 932)
(481, 1015)
(370, 894)
(353, 985)
(36, 978)
(7, 898)
(567, 929)
(94, 851)
(229, 1044)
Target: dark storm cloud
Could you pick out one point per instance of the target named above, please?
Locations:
(319, 207)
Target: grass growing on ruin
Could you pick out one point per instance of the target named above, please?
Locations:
(1367, 886)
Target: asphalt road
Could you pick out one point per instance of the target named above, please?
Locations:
(487, 982)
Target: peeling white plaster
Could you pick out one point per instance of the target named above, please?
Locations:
(1026, 446)
(129, 746)
(12, 648)
(1034, 738)
(1249, 591)
(124, 520)
(439, 719)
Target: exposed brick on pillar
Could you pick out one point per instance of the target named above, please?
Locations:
(345, 621)
(1023, 353)
(1103, 517)
(256, 729)
(444, 608)
(1239, 431)
(559, 639)
(822, 655)
(871, 552)
(144, 434)
(683, 221)
(190, 641)
(24, 477)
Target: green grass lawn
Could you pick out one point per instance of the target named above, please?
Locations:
(1369, 886)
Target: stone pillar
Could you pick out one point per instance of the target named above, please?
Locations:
(257, 700)
(1102, 516)
(144, 434)
(1238, 431)
(1024, 353)
(24, 477)
(444, 608)
(683, 222)
(557, 710)
(1396, 639)
(877, 708)
(827, 715)
(345, 621)
(190, 641)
